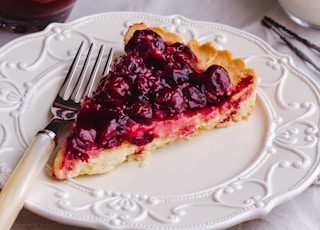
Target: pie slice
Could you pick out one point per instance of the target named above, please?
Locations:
(158, 91)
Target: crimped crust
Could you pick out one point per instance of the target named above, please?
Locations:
(107, 159)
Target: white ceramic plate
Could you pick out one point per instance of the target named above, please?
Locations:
(212, 181)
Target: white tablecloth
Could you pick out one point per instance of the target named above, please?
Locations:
(301, 212)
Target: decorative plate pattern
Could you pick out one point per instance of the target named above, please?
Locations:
(213, 181)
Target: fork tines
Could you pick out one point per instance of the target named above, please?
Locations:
(76, 85)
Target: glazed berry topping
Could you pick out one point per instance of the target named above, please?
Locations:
(141, 111)
(152, 82)
(146, 43)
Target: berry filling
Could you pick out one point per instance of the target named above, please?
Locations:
(145, 93)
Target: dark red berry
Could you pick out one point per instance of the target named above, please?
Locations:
(217, 80)
(114, 133)
(182, 54)
(85, 137)
(141, 112)
(117, 87)
(145, 42)
(195, 99)
(170, 100)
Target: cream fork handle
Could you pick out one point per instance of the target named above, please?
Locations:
(13, 195)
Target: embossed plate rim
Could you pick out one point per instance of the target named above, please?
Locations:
(255, 206)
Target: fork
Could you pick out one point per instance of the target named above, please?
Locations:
(64, 108)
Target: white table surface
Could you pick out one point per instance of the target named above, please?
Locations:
(301, 212)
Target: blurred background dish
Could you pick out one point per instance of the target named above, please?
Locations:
(33, 15)
(304, 13)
